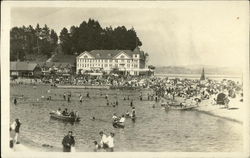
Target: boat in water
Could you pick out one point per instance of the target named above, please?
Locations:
(118, 125)
(179, 108)
(64, 118)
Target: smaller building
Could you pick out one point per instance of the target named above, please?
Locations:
(58, 68)
(25, 69)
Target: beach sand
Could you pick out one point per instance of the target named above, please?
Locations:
(233, 113)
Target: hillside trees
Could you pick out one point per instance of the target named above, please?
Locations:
(29, 41)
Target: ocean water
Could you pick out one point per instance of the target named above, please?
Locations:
(197, 76)
(154, 130)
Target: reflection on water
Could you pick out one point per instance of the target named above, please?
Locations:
(154, 129)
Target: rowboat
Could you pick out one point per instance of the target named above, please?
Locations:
(179, 108)
(118, 125)
(64, 118)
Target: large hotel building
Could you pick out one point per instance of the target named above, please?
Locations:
(131, 62)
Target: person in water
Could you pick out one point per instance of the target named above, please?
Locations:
(58, 112)
(111, 142)
(131, 103)
(80, 98)
(114, 117)
(15, 101)
(68, 142)
(65, 112)
(104, 141)
(133, 112)
(72, 114)
(122, 119)
(64, 96)
(127, 113)
(16, 127)
(97, 146)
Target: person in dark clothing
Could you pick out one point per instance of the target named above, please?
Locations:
(64, 96)
(68, 141)
(68, 98)
(15, 101)
(17, 125)
(65, 112)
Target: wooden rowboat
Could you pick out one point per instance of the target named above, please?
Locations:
(179, 108)
(118, 125)
(64, 118)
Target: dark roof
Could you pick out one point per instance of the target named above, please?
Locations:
(56, 64)
(22, 66)
(108, 54)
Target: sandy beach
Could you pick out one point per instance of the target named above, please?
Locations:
(233, 113)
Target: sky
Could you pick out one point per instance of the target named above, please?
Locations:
(173, 34)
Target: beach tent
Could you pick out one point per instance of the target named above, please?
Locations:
(221, 98)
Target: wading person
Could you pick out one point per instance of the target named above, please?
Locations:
(80, 98)
(16, 126)
(15, 101)
(111, 142)
(64, 96)
(68, 142)
(104, 141)
(97, 146)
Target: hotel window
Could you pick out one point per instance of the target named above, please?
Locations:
(106, 65)
(110, 65)
(135, 56)
(128, 65)
(106, 61)
(116, 61)
(122, 56)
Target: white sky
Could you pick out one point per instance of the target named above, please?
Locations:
(172, 34)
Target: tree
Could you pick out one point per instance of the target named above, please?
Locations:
(65, 41)
(30, 42)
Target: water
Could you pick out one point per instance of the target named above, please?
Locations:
(197, 76)
(154, 130)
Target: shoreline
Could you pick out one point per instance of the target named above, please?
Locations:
(233, 113)
(219, 116)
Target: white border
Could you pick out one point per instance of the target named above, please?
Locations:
(5, 90)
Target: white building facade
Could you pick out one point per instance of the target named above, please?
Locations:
(108, 60)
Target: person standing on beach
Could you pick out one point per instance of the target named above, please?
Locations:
(68, 142)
